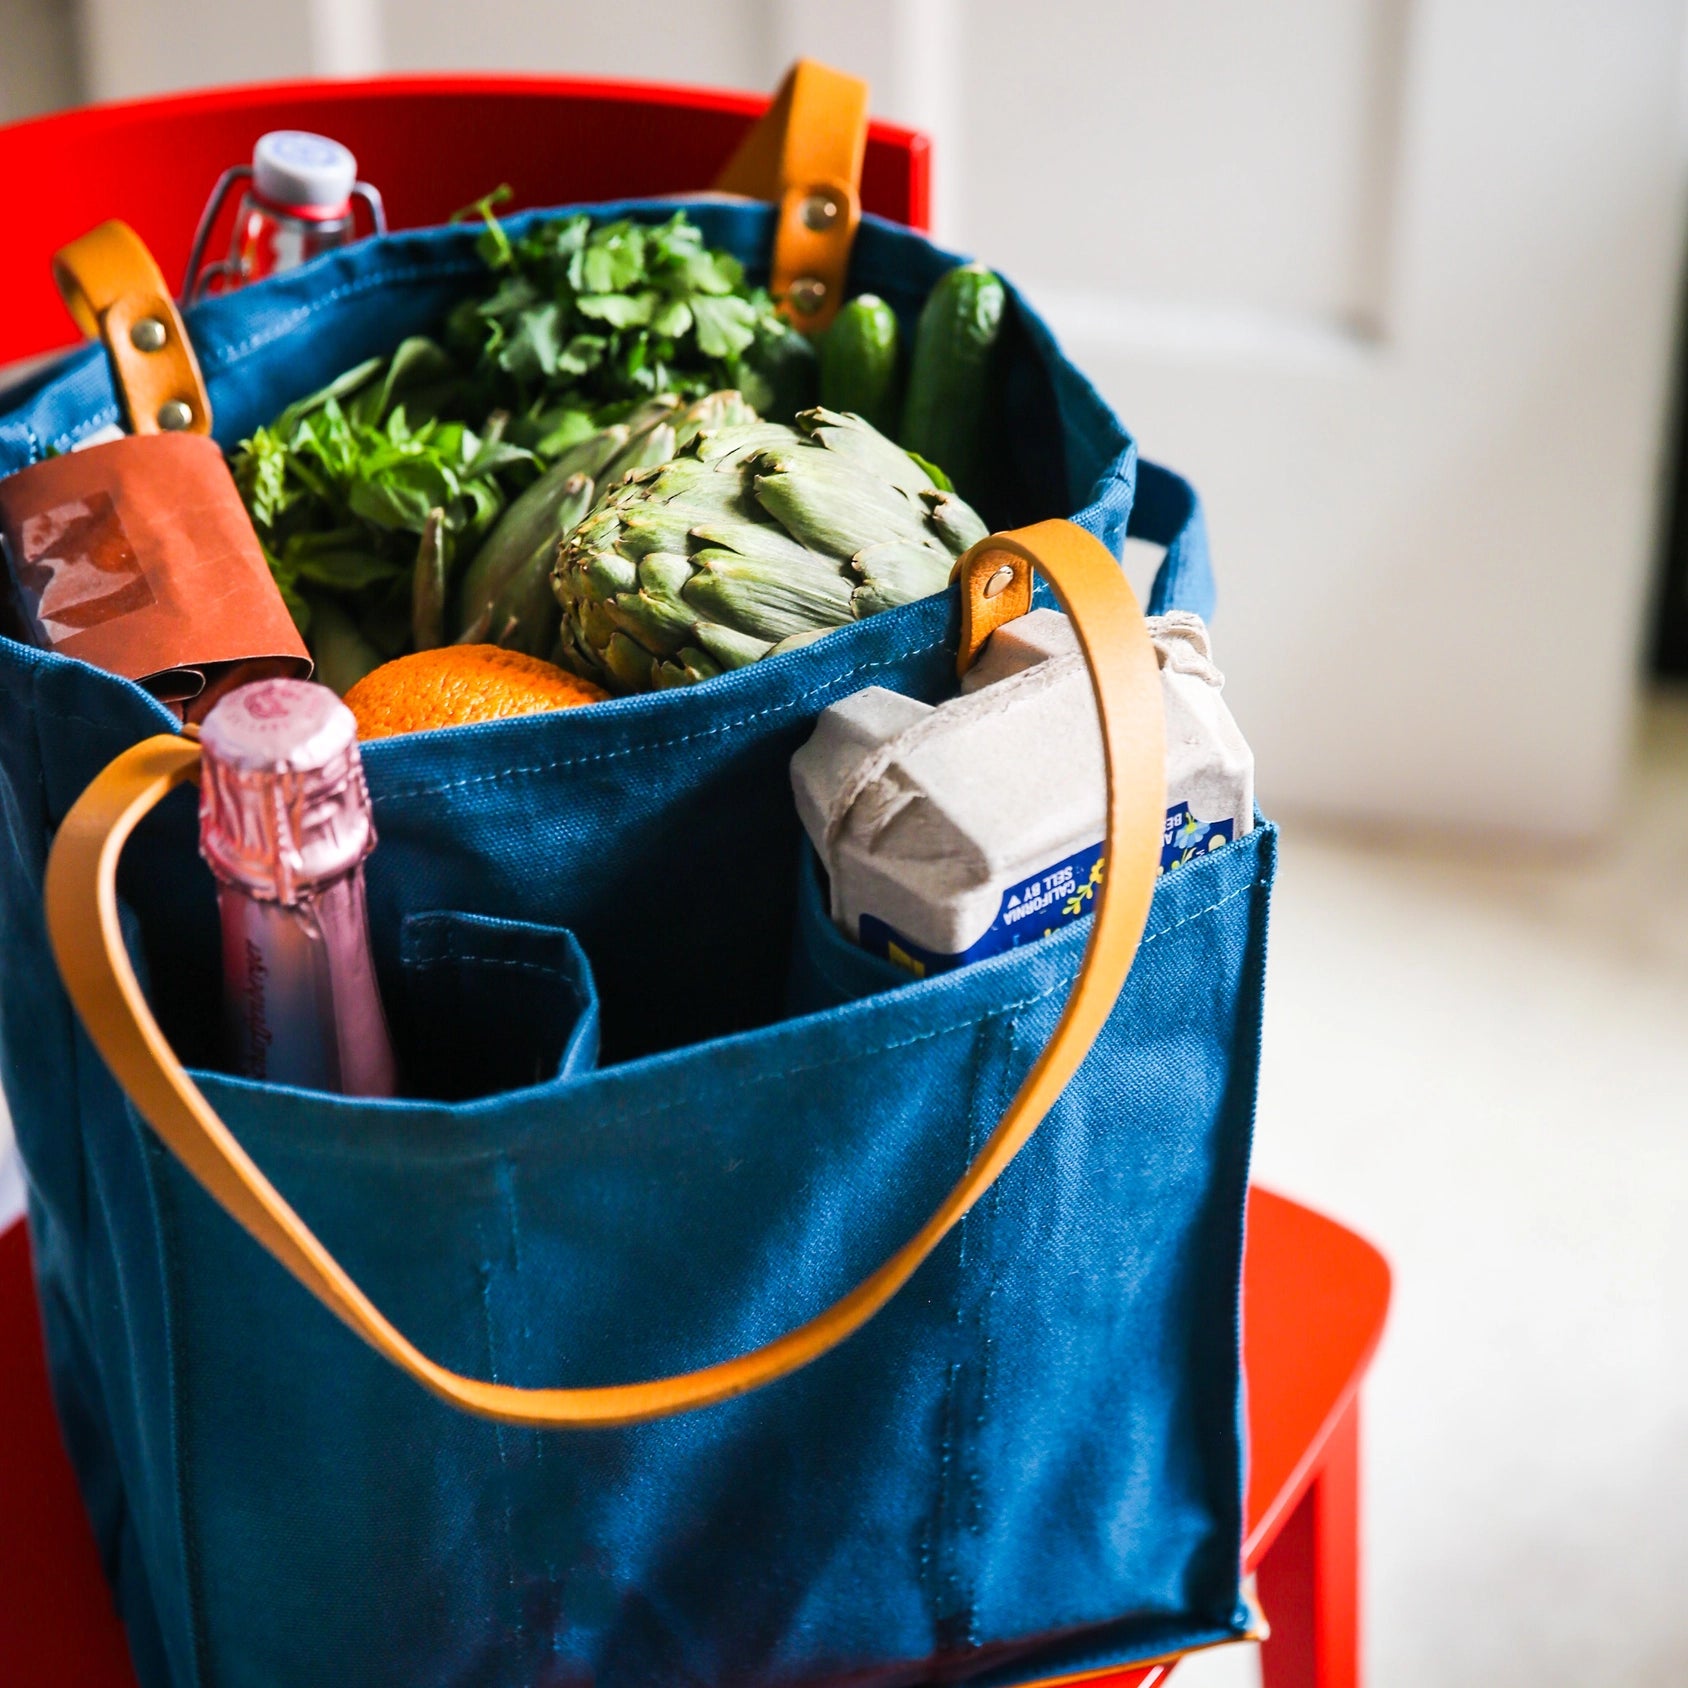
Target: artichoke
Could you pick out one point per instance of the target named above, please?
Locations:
(752, 539)
(505, 598)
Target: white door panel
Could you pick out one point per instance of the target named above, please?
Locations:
(1431, 492)
(719, 43)
(1392, 280)
(1221, 154)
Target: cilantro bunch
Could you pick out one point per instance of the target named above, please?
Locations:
(589, 317)
(411, 459)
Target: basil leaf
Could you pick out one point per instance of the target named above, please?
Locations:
(533, 349)
(619, 310)
(725, 326)
(344, 571)
(673, 319)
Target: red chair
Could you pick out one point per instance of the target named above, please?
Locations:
(153, 162)
(1314, 1295)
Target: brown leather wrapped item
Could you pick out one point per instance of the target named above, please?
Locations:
(138, 557)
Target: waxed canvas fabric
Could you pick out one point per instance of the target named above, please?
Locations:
(723, 1116)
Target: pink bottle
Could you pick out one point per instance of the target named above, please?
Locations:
(285, 823)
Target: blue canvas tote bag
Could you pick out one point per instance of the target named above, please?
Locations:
(1027, 1464)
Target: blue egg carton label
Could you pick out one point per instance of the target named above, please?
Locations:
(1046, 901)
(1186, 837)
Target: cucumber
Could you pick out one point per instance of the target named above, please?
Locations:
(947, 411)
(779, 375)
(859, 362)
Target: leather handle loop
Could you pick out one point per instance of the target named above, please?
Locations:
(115, 293)
(94, 964)
(805, 156)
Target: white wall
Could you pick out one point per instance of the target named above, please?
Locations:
(38, 58)
(1392, 280)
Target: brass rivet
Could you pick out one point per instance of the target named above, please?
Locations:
(174, 415)
(998, 582)
(149, 335)
(821, 211)
(807, 294)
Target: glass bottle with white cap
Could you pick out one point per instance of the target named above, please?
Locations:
(298, 202)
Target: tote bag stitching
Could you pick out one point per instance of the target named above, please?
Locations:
(501, 1431)
(942, 1529)
(460, 958)
(949, 1568)
(825, 963)
(985, 1219)
(26, 436)
(225, 354)
(347, 1151)
(104, 727)
(396, 792)
(67, 1022)
(106, 416)
(1255, 974)
(946, 1522)
(790, 706)
(991, 1210)
(1007, 1008)
(950, 1526)
(1259, 884)
(177, 1386)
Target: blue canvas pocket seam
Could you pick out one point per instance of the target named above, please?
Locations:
(166, 1229)
(229, 353)
(107, 416)
(825, 963)
(68, 1013)
(1229, 897)
(352, 1153)
(460, 958)
(792, 705)
(989, 1215)
(503, 1432)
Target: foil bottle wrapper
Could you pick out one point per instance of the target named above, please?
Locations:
(283, 807)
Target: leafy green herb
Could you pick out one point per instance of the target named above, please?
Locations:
(608, 314)
(578, 323)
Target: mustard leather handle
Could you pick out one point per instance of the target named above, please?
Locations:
(115, 293)
(805, 155)
(92, 960)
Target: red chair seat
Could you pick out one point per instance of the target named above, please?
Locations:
(1315, 1297)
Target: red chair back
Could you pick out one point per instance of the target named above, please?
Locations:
(431, 144)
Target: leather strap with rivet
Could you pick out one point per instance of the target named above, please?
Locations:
(805, 155)
(82, 922)
(116, 294)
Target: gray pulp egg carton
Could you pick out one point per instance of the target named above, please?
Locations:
(952, 832)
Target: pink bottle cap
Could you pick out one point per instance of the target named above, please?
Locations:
(283, 808)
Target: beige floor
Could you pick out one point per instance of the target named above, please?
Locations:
(1481, 1062)
(1480, 1059)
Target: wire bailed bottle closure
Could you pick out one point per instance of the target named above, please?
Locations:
(298, 203)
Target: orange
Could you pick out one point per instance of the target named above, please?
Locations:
(456, 684)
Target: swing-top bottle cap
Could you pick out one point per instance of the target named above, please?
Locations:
(293, 167)
(283, 808)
